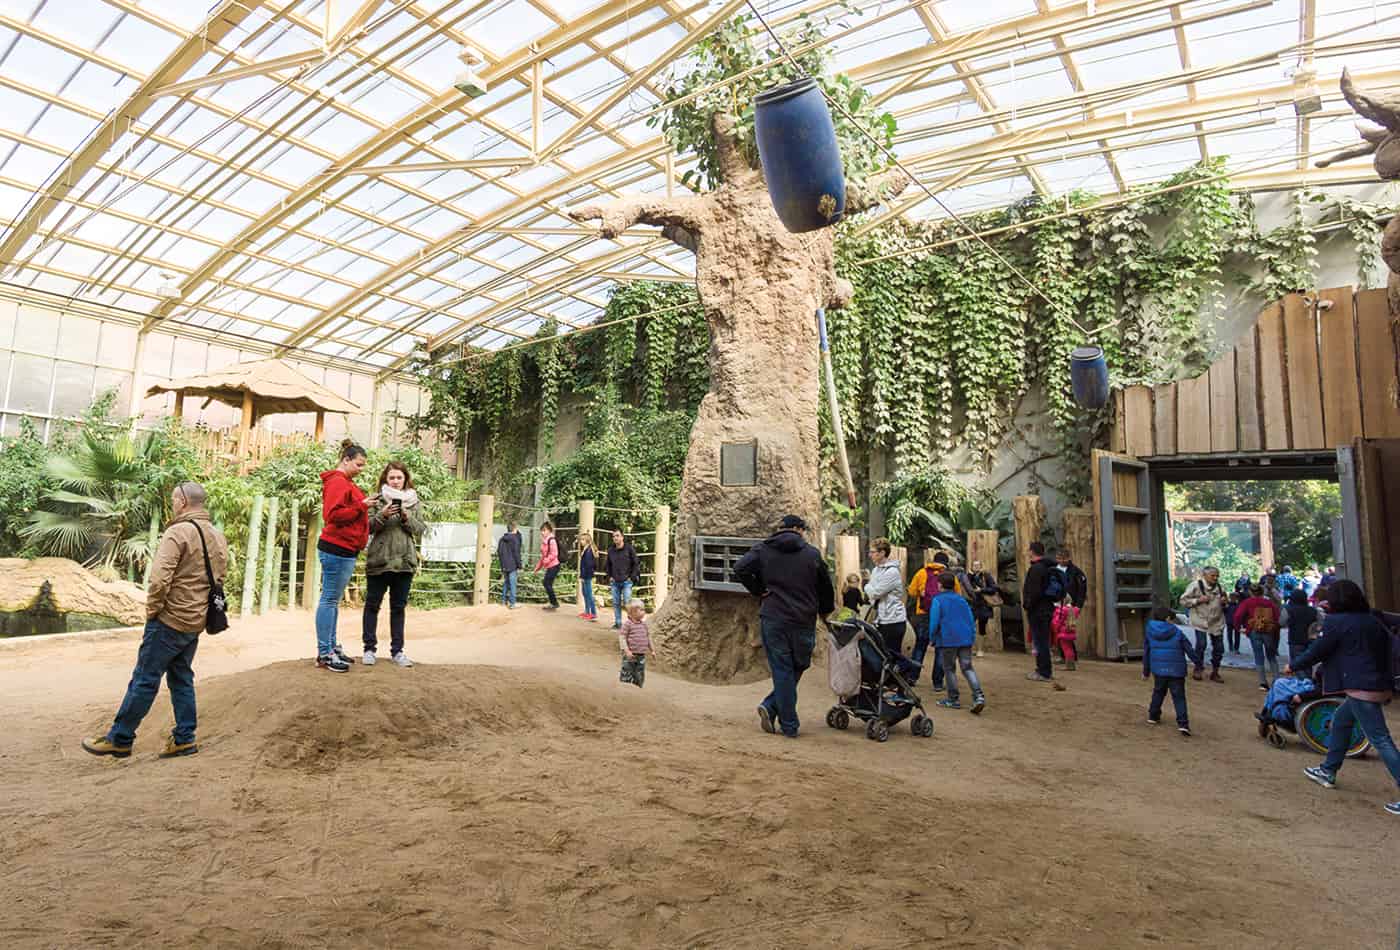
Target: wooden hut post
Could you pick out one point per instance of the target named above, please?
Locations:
(1079, 541)
(180, 406)
(245, 426)
(320, 426)
(982, 546)
(847, 559)
(1029, 514)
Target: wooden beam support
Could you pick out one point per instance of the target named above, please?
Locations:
(290, 61)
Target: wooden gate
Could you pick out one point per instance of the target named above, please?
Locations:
(1123, 559)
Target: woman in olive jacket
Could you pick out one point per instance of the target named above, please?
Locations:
(396, 526)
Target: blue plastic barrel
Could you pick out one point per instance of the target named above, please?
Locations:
(801, 162)
(1088, 375)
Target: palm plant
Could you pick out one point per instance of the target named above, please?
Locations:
(951, 532)
(110, 491)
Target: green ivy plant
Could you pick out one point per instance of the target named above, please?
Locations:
(703, 84)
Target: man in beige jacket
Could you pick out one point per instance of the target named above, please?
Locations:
(177, 605)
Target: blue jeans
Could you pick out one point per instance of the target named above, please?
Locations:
(1176, 685)
(921, 645)
(508, 580)
(621, 594)
(166, 652)
(586, 585)
(1371, 718)
(789, 648)
(1265, 651)
(1040, 637)
(335, 577)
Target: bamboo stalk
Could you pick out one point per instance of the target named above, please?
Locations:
(292, 538)
(277, 577)
(153, 537)
(250, 559)
(269, 565)
(312, 591)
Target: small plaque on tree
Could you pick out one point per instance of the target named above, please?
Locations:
(738, 463)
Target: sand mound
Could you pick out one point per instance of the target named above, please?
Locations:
(72, 589)
(304, 718)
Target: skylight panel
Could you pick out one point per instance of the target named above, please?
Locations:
(83, 22)
(1151, 55)
(98, 87)
(219, 225)
(138, 45)
(338, 134)
(290, 163)
(20, 110)
(1219, 41)
(961, 17)
(510, 26)
(27, 164)
(40, 65)
(12, 200)
(438, 222)
(385, 98)
(75, 259)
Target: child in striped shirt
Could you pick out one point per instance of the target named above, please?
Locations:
(635, 641)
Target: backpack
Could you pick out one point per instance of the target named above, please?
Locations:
(1262, 620)
(1054, 590)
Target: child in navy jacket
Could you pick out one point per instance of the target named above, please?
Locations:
(1165, 655)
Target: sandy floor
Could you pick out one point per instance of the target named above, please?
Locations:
(509, 792)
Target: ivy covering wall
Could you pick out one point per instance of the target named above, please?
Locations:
(939, 347)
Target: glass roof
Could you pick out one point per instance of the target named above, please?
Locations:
(310, 179)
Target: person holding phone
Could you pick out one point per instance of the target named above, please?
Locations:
(397, 526)
(345, 512)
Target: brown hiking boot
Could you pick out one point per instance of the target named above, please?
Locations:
(1215, 677)
(173, 748)
(101, 745)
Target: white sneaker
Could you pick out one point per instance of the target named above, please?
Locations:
(368, 658)
(402, 659)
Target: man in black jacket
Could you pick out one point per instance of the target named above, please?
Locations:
(1076, 581)
(508, 549)
(624, 570)
(790, 577)
(1039, 610)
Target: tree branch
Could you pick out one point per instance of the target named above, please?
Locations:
(875, 189)
(679, 218)
(732, 163)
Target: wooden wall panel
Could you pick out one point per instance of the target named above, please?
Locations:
(1273, 380)
(1247, 393)
(1380, 401)
(1304, 380)
(1223, 418)
(1164, 419)
(1137, 413)
(1341, 393)
(1193, 415)
(1118, 432)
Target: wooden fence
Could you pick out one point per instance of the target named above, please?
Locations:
(222, 444)
(1303, 378)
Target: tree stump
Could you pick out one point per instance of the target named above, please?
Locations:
(760, 287)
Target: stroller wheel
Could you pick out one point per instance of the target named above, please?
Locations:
(877, 729)
(843, 719)
(921, 726)
(1276, 739)
(831, 718)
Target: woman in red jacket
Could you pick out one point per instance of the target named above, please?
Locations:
(1258, 617)
(345, 510)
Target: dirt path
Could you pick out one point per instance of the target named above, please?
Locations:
(509, 792)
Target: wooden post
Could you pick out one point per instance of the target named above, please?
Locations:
(900, 555)
(292, 538)
(245, 425)
(481, 583)
(1079, 541)
(180, 406)
(1029, 514)
(250, 559)
(277, 577)
(320, 426)
(269, 565)
(847, 559)
(312, 574)
(982, 546)
(662, 566)
(585, 530)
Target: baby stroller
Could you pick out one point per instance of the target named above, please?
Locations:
(880, 696)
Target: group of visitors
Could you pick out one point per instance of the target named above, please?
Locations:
(620, 565)
(185, 595)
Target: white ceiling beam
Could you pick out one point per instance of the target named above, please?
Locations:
(290, 61)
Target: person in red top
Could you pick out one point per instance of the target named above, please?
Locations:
(345, 510)
(1258, 616)
(549, 562)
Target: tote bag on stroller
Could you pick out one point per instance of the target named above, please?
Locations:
(843, 665)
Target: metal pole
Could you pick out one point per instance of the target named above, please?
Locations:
(838, 433)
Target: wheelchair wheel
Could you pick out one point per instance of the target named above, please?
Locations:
(1276, 739)
(1314, 722)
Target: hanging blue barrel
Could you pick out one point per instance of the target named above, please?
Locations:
(1088, 375)
(801, 162)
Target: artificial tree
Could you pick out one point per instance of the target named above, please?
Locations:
(760, 287)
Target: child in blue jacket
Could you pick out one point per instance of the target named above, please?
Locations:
(1165, 656)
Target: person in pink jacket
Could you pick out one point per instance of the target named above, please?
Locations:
(549, 562)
